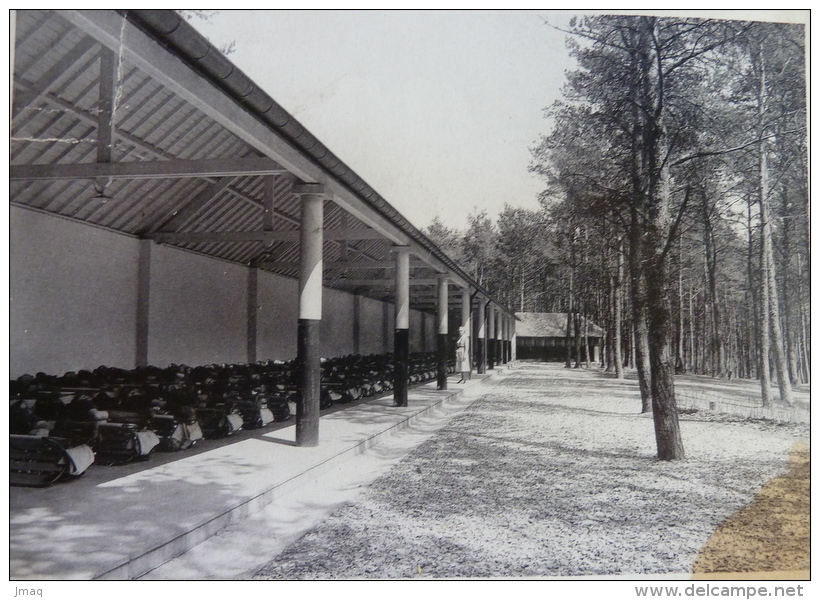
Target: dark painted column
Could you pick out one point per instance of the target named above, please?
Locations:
(143, 302)
(499, 333)
(505, 355)
(499, 337)
(357, 324)
(513, 349)
(441, 321)
(401, 340)
(385, 326)
(491, 348)
(482, 336)
(466, 323)
(252, 302)
(507, 337)
(308, 355)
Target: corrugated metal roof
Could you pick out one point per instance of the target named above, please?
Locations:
(57, 103)
(550, 325)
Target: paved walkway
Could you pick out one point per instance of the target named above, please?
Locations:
(550, 473)
(124, 522)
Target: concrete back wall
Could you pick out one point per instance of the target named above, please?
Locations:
(336, 336)
(371, 334)
(198, 311)
(73, 295)
(73, 305)
(277, 317)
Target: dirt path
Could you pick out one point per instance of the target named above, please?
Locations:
(551, 473)
(772, 534)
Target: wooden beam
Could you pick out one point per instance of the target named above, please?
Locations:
(343, 264)
(190, 208)
(105, 116)
(206, 237)
(155, 169)
(385, 282)
(140, 49)
(59, 70)
(268, 237)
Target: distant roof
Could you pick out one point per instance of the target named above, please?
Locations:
(550, 325)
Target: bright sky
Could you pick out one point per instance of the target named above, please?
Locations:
(436, 110)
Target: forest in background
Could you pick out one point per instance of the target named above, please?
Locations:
(675, 212)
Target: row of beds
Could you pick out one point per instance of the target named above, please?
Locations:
(61, 425)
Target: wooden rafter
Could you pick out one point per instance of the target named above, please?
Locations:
(267, 237)
(165, 169)
(59, 70)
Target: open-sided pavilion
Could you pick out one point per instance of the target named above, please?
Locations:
(165, 209)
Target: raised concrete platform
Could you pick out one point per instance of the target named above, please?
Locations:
(122, 522)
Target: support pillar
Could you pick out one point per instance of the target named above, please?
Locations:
(357, 324)
(491, 337)
(503, 338)
(385, 326)
(466, 324)
(502, 325)
(401, 338)
(482, 336)
(499, 351)
(441, 348)
(509, 338)
(513, 349)
(143, 302)
(308, 357)
(252, 302)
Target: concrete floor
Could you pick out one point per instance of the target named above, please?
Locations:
(199, 514)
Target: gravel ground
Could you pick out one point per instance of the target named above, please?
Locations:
(551, 473)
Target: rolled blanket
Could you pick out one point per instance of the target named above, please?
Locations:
(146, 441)
(80, 458)
(98, 415)
(267, 416)
(235, 421)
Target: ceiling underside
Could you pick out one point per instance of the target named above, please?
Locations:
(99, 139)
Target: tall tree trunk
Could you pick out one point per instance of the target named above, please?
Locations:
(618, 316)
(659, 228)
(680, 364)
(768, 276)
(568, 339)
(640, 340)
(577, 340)
(692, 363)
(753, 291)
(786, 288)
(804, 345)
(764, 369)
(716, 333)
(770, 282)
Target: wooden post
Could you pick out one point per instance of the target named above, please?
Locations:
(491, 336)
(466, 323)
(504, 355)
(143, 302)
(308, 357)
(401, 338)
(513, 340)
(251, 304)
(441, 350)
(357, 324)
(482, 336)
(499, 352)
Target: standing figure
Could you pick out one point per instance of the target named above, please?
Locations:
(462, 365)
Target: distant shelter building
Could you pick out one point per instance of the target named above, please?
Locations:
(544, 336)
